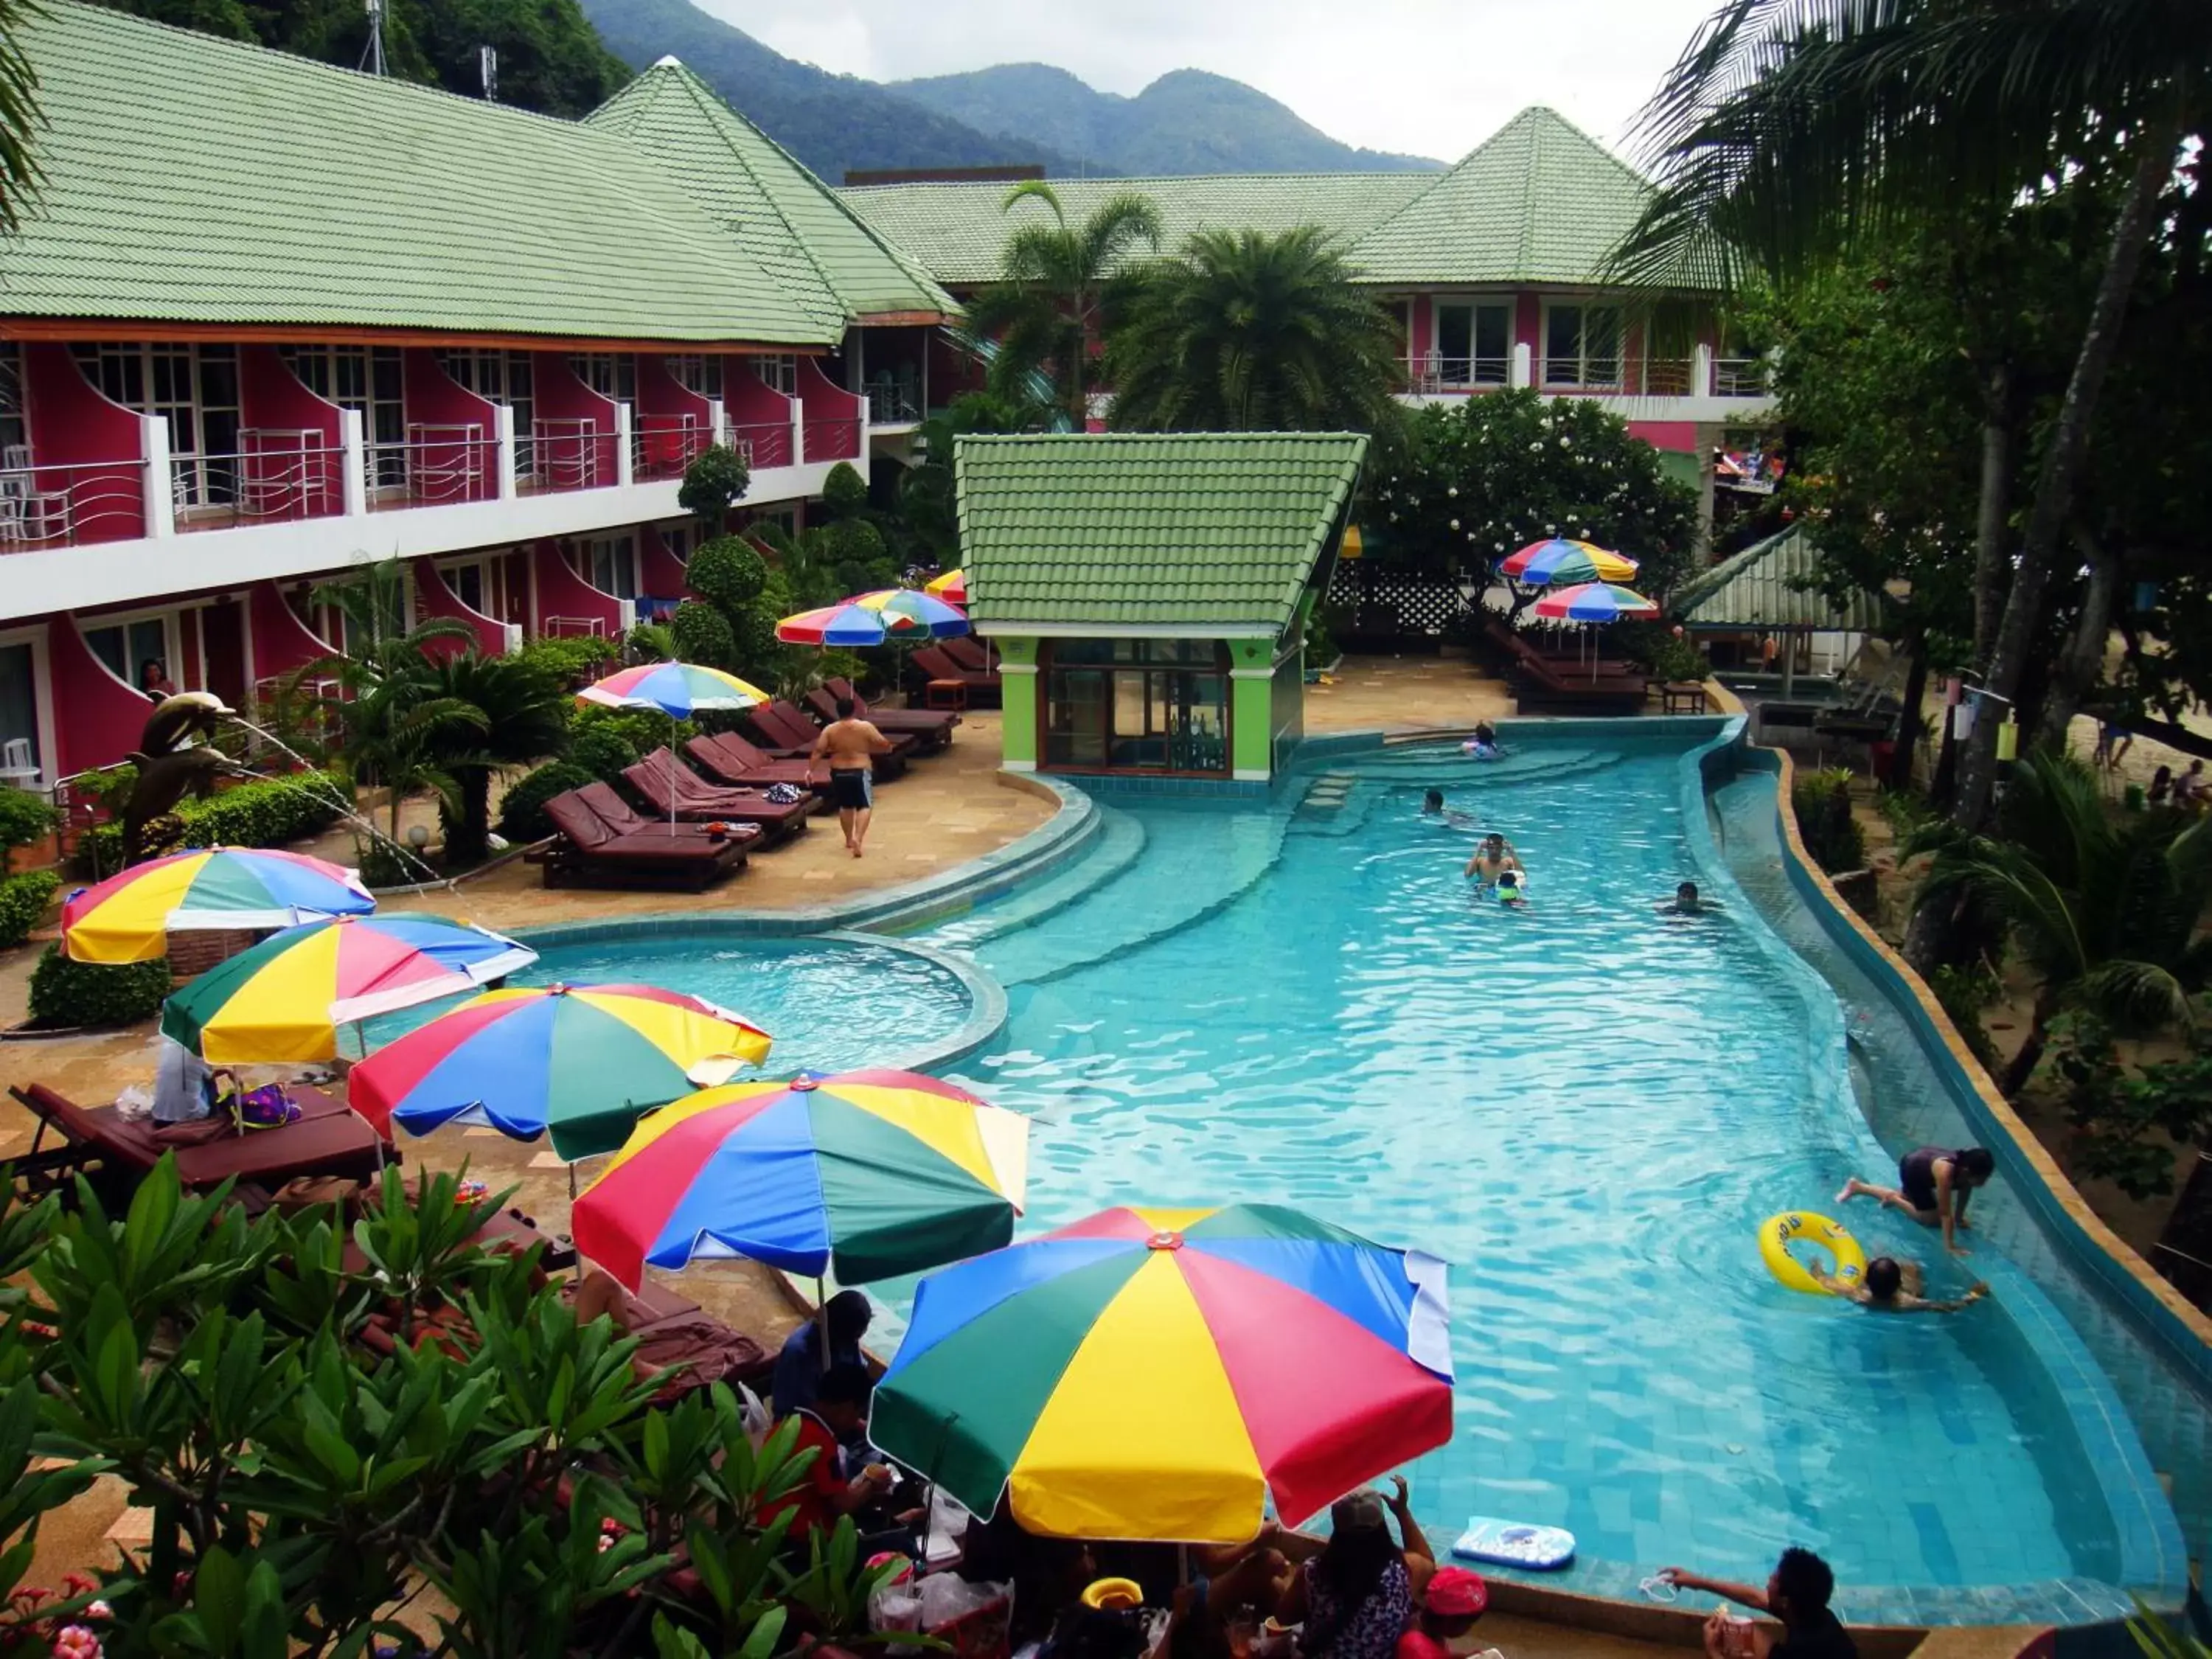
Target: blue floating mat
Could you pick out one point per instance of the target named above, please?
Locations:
(1514, 1544)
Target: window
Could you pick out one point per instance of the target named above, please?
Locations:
(610, 564)
(698, 374)
(1474, 343)
(15, 429)
(778, 373)
(368, 380)
(503, 377)
(1137, 705)
(194, 388)
(611, 373)
(682, 538)
(477, 583)
(19, 701)
(127, 647)
(1581, 345)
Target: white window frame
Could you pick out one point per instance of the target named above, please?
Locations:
(490, 372)
(778, 371)
(699, 373)
(196, 466)
(42, 697)
(588, 548)
(1473, 305)
(1583, 380)
(383, 419)
(172, 639)
(612, 375)
(491, 581)
(681, 537)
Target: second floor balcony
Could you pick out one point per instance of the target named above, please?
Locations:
(1701, 381)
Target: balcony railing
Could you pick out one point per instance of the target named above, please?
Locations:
(662, 446)
(766, 443)
(63, 505)
(896, 404)
(832, 439)
(436, 466)
(1740, 377)
(1437, 372)
(278, 475)
(571, 453)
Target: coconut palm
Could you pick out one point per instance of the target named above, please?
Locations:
(19, 117)
(1055, 281)
(524, 719)
(2103, 909)
(1247, 331)
(1791, 130)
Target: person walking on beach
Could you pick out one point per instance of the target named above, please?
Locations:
(850, 745)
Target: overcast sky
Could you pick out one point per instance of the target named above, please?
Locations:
(1431, 78)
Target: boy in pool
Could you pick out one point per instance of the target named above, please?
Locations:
(1893, 1286)
(1687, 901)
(1492, 854)
(1933, 1185)
(1510, 888)
(1432, 806)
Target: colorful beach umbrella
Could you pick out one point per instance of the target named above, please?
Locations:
(868, 619)
(1594, 602)
(951, 588)
(580, 1063)
(285, 999)
(869, 1173)
(1558, 562)
(1157, 1373)
(678, 689)
(128, 917)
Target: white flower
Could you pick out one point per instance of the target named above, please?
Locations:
(1565, 442)
(1536, 448)
(1455, 524)
(1452, 491)
(1393, 518)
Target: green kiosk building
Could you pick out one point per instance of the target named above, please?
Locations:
(1148, 595)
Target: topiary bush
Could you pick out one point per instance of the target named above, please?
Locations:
(702, 636)
(728, 572)
(24, 818)
(22, 900)
(602, 751)
(522, 810)
(66, 993)
(635, 732)
(844, 492)
(716, 480)
(272, 813)
(1822, 802)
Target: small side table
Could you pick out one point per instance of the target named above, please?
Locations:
(1682, 697)
(945, 694)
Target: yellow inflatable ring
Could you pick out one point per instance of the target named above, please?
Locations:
(1778, 1232)
(1113, 1594)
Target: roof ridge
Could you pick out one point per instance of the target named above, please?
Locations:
(1129, 178)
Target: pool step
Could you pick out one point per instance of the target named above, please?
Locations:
(1120, 841)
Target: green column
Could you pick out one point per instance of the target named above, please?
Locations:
(1251, 708)
(1018, 737)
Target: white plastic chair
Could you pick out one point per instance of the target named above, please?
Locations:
(16, 767)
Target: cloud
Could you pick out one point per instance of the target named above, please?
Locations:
(1432, 77)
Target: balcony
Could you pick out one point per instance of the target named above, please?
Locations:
(277, 475)
(894, 403)
(663, 445)
(43, 506)
(1434, 372)
(1741, 377)
(1697, 387)
(438, 465)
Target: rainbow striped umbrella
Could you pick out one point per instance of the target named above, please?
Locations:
(128, 917)
(951, 588)
(871, 1173)
(285, 998)
(678, 689)
(1594, 602)
(1558, 562)
(580, 1063)
(1156, 1373)
(865, 619)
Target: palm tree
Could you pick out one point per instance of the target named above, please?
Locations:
(2103, 909)
(19, 174)
(525, 720)
(1054, 285)
(1791, 130)
(1246, 332)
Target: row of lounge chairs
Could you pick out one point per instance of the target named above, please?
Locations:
(1542, 683)
(604, 841)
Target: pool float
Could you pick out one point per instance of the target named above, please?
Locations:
(1512, 886)
(1514, 1544)
(1113, 1594)
(1778, 1232)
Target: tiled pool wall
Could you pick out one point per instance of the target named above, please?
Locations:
(2132, 1369)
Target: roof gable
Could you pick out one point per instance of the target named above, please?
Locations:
(1120, 532)
(1539, 201)
(190, 179)
(1768, 585)
(764, 198)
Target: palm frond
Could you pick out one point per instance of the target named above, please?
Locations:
(1035, 190)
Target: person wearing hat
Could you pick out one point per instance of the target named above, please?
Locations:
(1354, 1597)
(1456, 1600)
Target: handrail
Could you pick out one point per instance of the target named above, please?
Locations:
(265, 481)
(567, 450)
(663, 445)
(438, 464)
(62, 506)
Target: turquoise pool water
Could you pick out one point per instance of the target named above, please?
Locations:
(1586, 1108)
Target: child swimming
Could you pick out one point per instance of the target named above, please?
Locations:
(1483, 745)
(1432, 806)
(1512, 886)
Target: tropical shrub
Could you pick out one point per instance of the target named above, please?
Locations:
(23, 900)
(844, 492)
(571, 661)
(702, 634)
(522, 809)
(601, 751)
(2129, 1122)
(271, 812)
(1822, 802)
(1675, 657)
(67, 993)
(715, 482)
(525, 711)
(635, 732)
(24, 818)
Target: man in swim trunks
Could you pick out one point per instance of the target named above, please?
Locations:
(1893, 1286)
(1933, 1185)
(1491, 854)
(850, 745)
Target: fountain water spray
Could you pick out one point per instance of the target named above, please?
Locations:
(345, 807)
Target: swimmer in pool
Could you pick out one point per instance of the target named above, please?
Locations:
(1933, 1185)
(1483, 745)
(1432, 806)
(1894, 1286)
(1492, 854)
(1687, 901)
(1510, 890)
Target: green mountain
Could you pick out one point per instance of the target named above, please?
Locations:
(830, 122)
(1185, 122)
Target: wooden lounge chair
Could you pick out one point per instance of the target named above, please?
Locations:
(931, 728)
(727, 759)
(592, 854)
(930, 662)
(970, 653)
(119, 1151)
(660, 781)
(784, 730)
(1539, 685)
(672, 1332)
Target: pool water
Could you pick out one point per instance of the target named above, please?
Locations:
(1586, 1108)
(830, 1005)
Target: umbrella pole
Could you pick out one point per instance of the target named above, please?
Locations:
(822, 1319)
(671, 774)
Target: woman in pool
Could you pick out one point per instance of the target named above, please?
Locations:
(1933, 1185)
(1893, 1286)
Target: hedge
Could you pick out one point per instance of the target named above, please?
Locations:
(22, 901)
(66, 993)
(522, 809)
(272, 813)
(24, 817)
(1822, 802)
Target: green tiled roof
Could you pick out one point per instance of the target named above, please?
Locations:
(194, 180)
(1539, 201)
(1112, 533)
(958, 230)
(1765, 587)
(789, 221)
